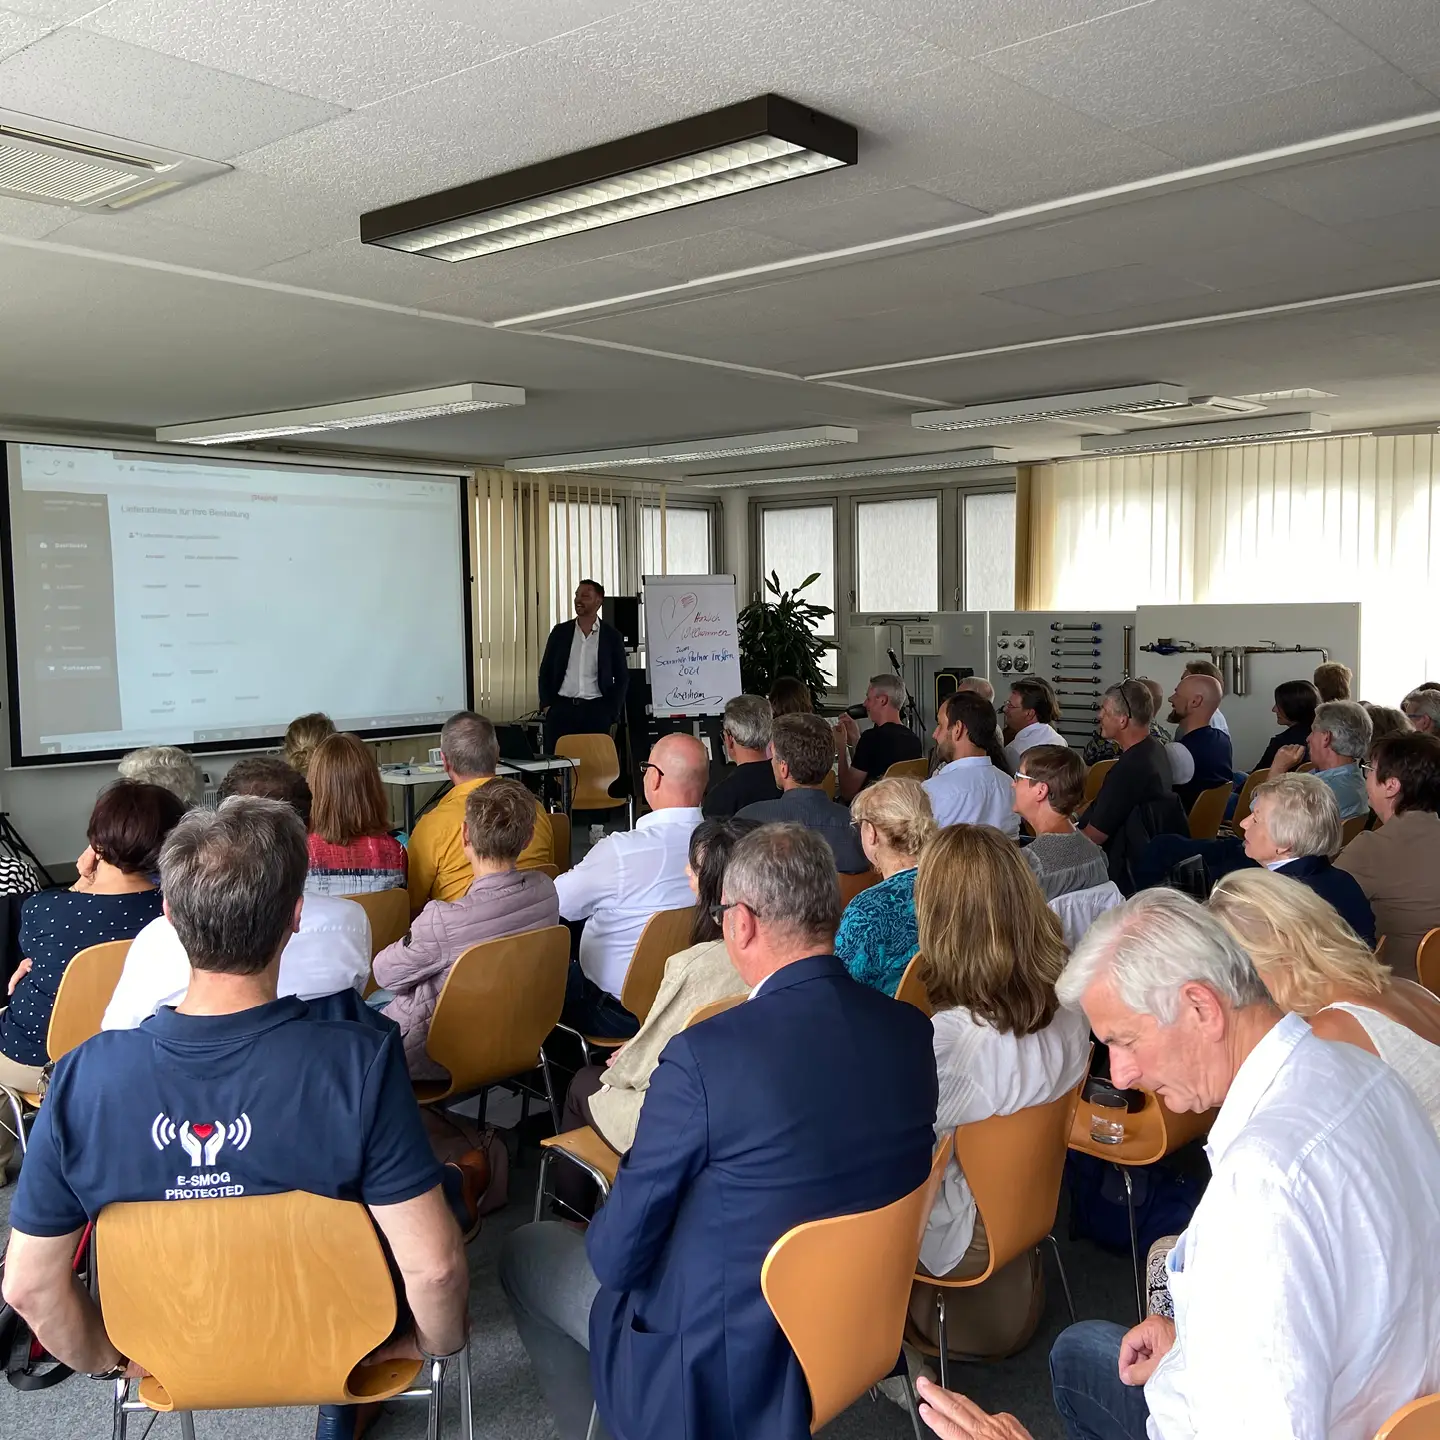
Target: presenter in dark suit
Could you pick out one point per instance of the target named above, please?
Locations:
(583, 673)
(816, 1097)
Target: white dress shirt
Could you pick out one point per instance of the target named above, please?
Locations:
(621, 883)
(1032, 735)
(1219, 721)
(1306, 1288)
(330, 952)
(582, 670)
(972, 791)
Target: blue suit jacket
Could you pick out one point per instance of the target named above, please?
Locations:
(816, 1098)
(1340, 888)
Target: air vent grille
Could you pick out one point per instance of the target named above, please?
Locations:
(54, 175)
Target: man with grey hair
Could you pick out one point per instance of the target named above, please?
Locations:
(1339, 740)
(978, 685)
(232, 1092)
(756, 1121)
(746, 734)
(888, 741)
(1423, 708)
(168, 766)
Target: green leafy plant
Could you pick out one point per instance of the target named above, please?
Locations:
(777, 637)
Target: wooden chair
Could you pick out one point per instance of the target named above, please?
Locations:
(911, 988)
(1013, 1165)
(1253, 781)
(829, 784)
(1427, 959)
(1419, 1420)
(254, 1301)
(560, 834)
(1308, 768)
(1151, 1134)
(909, 770)
(1352, 827)
(388, 912)
(852, 885)
(1209, 810)
(553, 871)
(1095, 778)
(499, 1002)
(599, 769)
(840, 1290)
(717, 1007)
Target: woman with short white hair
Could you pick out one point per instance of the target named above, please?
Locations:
(169, 767)
(1294, 827)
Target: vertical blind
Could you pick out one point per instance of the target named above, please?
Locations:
(1354, 518)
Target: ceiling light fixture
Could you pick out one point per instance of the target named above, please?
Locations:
(674, 454)
(348, 415)
(860, 469)
(1053, 407)
(1304, 392)
(1191, 437)
(723, 152)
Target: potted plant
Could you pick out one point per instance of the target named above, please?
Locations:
(777, 637)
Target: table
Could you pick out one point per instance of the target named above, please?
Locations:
(561, 765)
(408, 777)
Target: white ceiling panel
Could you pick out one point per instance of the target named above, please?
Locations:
(1405, 32)
(85, 79)
(154, 236)
(244, 203)
(519, 25)
(31, 222)
(1099, 291)
(1415, 233)
(56, 12)
(18, 31)
(1359, 187)
(902, 211)
(351, 268)
(979, 26)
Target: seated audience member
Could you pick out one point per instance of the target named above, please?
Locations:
(1313, 965)
(1029, 715)
(802, 750)
(1192, 708)
(352, 851)
(746, 734)
(1049, 786)
(1294, 708)
(1422, 709)
(877, 935)
(973, 785)
(1294, 828)
(1398, 864)
(1386, 720)
(993, 951)
(302, 738)
(756, 1121)
(1210, 668)
(978, 685)
(1339, 738)
(328, 956)
(127, 826)
(628, 876)
(1333, 680)
(789, 696)
(329, 1106)
(499, 822)
(1182, 763)
(864, 759)
(168, 766)
(439, 868)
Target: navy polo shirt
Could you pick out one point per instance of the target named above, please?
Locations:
(1214, 764)
(204, 1106)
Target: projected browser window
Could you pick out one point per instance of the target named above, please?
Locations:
(182, 599)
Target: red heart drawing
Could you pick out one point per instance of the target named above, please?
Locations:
(203, 1131)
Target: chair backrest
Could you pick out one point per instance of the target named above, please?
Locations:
(85, 990)
(852, 885)
(389, 914)
(499, 1002)
(665, 933)
(1209, 810)
(911, 988)
(828, 784)
(545, 868)
(1352, 827)
(599, 770)
(1253, 781)
(1427, 960)
(840, 1290)
(717, 1007)
(560, 834)
(1419, 1420)
(1095, 778)
(909, 770)
(1013, 1164)
(249, 1301)
(1308, 768)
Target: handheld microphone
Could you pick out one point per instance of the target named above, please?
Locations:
(895, 663)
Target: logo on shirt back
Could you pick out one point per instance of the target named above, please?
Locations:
(202, 1142)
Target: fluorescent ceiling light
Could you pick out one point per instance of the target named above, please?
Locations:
(724, 152)
(1224, 432)
(349, 415)
(674, 454)
(858, 469)
(1053, 407)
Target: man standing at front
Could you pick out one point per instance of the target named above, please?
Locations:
(583, 673)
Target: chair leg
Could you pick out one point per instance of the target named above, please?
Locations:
(944, 1337)
(911, 1405)
(122, 1393)
(593, 1428)
(545, 1158)
(437, 1392)
(467, 1414)
(550, 1090)
(1064, 1279)
(1134, 1242)
(187, 1425)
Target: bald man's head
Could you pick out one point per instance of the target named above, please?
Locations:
(1196, 699)
(681, 773)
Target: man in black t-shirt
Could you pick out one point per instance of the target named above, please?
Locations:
(865, 758)
(747, 744)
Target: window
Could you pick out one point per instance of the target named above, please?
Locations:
(988, 529)
(687, 541)
(796, 541)
(584, 545)
(897, 555)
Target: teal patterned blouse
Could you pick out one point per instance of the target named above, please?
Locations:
(878, 933)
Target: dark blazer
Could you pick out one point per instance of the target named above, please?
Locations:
(816, 811)
(613, 671)
(1291, 735)
(754, 1122)
(742, 785)
(1339, 888)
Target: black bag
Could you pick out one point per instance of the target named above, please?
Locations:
(28, 1365)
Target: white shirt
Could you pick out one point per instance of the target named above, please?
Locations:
(1220, 723)
(330, 952)
(1182, 763)
(984, 1073)
(621, 883)
(972, 791)
(1078, 910)
(582, 671)
(1306, 1289)
(1032, 735)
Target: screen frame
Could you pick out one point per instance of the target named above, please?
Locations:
(293, 461)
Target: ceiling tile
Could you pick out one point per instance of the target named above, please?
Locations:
(714, 254)
(1100, 291)
(152, 236)
(351, 268)
(30, 221)
(56, 12)
(84, 79)
(1403, 31)
(905, 211)
(1327, 261)
(252, 206)
(1412, 232)
(18, 31)
(1358, 187)
(519, 25)
(979, 26)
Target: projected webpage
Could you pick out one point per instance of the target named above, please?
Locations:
(179, 600)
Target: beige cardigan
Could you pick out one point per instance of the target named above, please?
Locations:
(693, 978)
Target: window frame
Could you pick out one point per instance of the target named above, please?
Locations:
(837, 552)
(937, 494)
(963, 494)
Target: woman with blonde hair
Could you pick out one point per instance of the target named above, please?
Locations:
(1313, 964)
(878, 932)
(303, 737)
(993, 951)
(352, 851)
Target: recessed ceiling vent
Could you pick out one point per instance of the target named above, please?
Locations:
(53, 164)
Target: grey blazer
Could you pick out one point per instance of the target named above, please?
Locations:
(815, 811)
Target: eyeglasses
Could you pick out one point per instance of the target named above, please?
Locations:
(717, 912)
(650, 765)
(1028, 779)
(1365, 767)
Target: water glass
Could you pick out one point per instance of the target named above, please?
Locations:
(1107, 1119)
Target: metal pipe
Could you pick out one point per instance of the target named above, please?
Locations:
(1127, 660)
(1080, 666)
(1091, 625)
